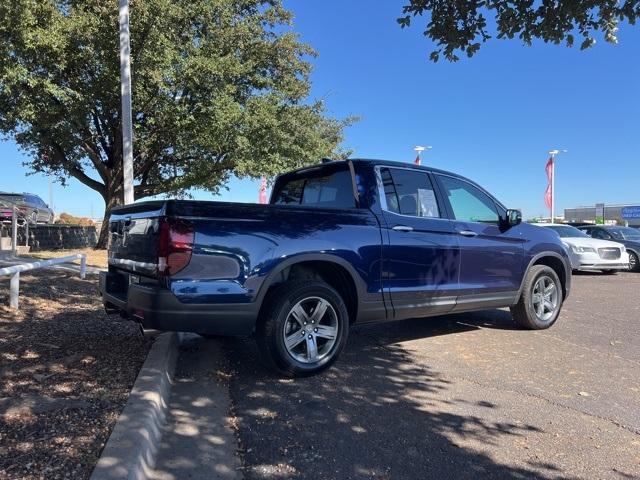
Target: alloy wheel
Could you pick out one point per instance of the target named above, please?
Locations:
(545, 298)
(310, 330)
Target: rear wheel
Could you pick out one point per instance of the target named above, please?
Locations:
(634, 265)
(541, 299)
(303, 328)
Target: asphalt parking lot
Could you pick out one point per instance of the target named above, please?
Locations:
(464, 396)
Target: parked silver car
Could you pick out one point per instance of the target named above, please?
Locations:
(31, 208)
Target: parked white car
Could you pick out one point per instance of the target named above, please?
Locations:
(588, 253)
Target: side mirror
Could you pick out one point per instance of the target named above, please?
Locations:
(514, 217)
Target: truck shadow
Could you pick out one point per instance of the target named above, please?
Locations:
(377, 414)
(416, 328)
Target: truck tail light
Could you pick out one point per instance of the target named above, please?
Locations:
(175, 245)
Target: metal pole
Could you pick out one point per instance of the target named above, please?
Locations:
(51, 194)
(125, 91)
(26, 233)
(553, 186)
(14, 231)
(14, 291)
(83, 265)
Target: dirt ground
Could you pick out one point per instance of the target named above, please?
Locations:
(95, 258)
(66, 370)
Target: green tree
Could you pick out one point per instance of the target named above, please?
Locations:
(462, 26)
(220, 87)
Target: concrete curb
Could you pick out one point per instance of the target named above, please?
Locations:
(131, 450)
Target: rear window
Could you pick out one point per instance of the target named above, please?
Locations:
(12, 198)
(330, 190)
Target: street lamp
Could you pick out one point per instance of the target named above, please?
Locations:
(419, 149)
(553, 154)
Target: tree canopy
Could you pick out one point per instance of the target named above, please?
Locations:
(219, 88)
(460, 27)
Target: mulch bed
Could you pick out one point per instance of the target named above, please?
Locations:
(66, 369)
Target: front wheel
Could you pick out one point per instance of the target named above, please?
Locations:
(634, 265)
(303, 328)
(541, 299)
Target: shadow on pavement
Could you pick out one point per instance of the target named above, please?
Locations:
(376, 414)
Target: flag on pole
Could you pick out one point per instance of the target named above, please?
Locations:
(548, 194)
(262, 196)
(417, 160)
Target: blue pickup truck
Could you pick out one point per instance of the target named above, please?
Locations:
(339, 243)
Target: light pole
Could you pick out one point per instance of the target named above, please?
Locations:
(125, 92)
(553, 154)
(419, 149)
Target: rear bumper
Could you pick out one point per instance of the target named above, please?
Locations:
(159, 309)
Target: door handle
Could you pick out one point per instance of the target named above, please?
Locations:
(467, 233)
(403, 228)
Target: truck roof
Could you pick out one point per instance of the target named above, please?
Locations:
(373, 161)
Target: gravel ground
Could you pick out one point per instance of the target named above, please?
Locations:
(66, 370)
(467, 396)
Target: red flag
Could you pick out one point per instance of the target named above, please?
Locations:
(262, 197)
(548, 194)
(417, 160)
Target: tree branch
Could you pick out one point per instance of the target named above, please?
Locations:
(76, 171)
(103, 141)
(94, 156)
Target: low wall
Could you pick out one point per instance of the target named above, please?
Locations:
(57, 237)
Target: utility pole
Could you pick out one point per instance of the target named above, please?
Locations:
(51, 194)
(125, 92)
(553, 154)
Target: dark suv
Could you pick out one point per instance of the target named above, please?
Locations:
(30, 208)
(629, 237)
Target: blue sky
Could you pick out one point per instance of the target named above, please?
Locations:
(492, 117)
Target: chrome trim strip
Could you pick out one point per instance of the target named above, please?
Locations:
(133, 265)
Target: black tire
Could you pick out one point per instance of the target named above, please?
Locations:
(524, 312)
(634, 264)
(276, 317)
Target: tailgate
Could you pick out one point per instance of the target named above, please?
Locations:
(133, 238)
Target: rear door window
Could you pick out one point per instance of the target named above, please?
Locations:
(409, 192)
(330, 190)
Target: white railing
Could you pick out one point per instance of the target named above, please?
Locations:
(14, 272)
(15, 213)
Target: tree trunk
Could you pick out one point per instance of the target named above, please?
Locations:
(103, 238)
(113, 198)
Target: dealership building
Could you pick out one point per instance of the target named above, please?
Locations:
(620, 213)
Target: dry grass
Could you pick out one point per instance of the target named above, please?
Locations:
(95, 258)
(66, 369)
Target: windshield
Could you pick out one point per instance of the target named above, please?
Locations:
(624, 233)
(567, 231)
